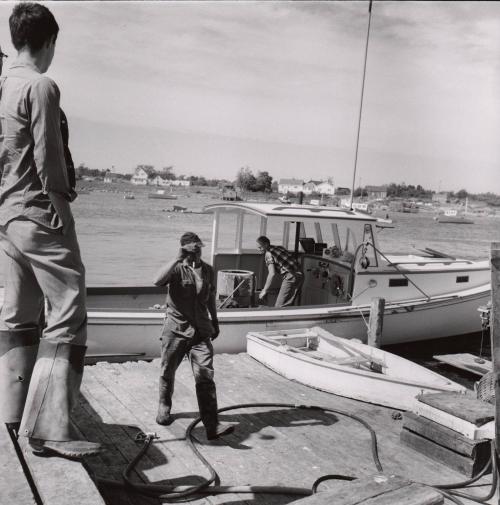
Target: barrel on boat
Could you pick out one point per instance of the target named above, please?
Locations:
(235, 288)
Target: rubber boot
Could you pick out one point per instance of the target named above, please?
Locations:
(53, 391)
(206, 395)
(166, 390)
(18, 350)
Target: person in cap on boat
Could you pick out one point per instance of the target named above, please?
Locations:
(41, 358)
(190, 326)
(278, 259)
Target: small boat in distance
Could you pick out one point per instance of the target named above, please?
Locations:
(162, 194)
(316, 358)
(452, 216)
(129, 196)
(284, 199)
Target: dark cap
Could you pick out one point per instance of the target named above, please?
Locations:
(191, 238)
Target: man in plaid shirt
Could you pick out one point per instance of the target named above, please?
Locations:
(278, 259)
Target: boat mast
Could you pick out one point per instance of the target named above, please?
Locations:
(361, 103)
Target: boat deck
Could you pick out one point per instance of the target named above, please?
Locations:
(271, 445)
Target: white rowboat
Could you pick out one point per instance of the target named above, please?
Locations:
(316, 358)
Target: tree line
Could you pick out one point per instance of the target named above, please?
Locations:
(262, 181)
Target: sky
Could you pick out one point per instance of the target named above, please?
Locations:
(209, 87)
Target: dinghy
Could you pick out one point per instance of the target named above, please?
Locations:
(316, 358)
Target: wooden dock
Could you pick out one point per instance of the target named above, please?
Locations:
(271, 445)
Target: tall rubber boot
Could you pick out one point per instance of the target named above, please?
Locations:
(18, 350)
(166, 389)
(206, 395)
(53, 391)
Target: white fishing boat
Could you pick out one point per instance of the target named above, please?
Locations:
(163, 195)
(452, 216)
(317, 358)
(429, 295)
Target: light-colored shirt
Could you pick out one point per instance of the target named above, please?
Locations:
(32, 160)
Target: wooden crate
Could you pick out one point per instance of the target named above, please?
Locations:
(444, 444)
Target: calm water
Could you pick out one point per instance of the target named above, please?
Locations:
(123, 242)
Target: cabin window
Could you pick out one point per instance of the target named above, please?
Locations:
(227, 231)
(394, 283)
(462, 278)
(251, 231)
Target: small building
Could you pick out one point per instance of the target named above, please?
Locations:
(180, 182)
(110, 177)
(142, 176)
(325, 188)
(158, 180)
(311, 187)
(376, 192)
(290, 186)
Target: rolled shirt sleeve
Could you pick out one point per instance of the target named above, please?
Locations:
(48, 151)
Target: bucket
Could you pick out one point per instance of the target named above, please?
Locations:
(235, 288)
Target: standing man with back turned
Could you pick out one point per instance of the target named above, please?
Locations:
(39, 377)
(277, 257)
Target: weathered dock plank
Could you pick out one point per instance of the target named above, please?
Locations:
(467, 362)
(463, 406)
(271, 445)
(376, 490)
(52, 475)
(14, 486)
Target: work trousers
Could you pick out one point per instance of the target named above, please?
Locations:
(289, 290)
(200, 355)
(44, 266)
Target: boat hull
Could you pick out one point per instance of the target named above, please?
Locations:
(120, 334)
(396, 391)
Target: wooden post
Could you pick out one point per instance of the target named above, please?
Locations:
(376, 322)
(495, 330)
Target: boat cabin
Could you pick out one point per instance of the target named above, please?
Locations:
(328, 242)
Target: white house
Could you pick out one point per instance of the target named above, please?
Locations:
(158, 180)
(311, 187)
(110, 177)
(142, 176)
(325, 188)
(290, 186)
(180, 182)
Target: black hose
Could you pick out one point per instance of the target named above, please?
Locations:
(180, 493)
(170, 493)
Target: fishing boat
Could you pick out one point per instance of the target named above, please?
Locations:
(162, 194)
(452, 216)
(284, 199)
(317, 358)
(129, 196)
(428, 295)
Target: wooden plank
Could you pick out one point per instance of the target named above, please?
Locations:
(14, 486)
(466, 428)
(376, 490)
(463, 406)
(463, 464)
(446, 437)
(52, 475)
(467, 362)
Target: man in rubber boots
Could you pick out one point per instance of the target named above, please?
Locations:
(39, 377)
(190, 326)
(278, 258)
